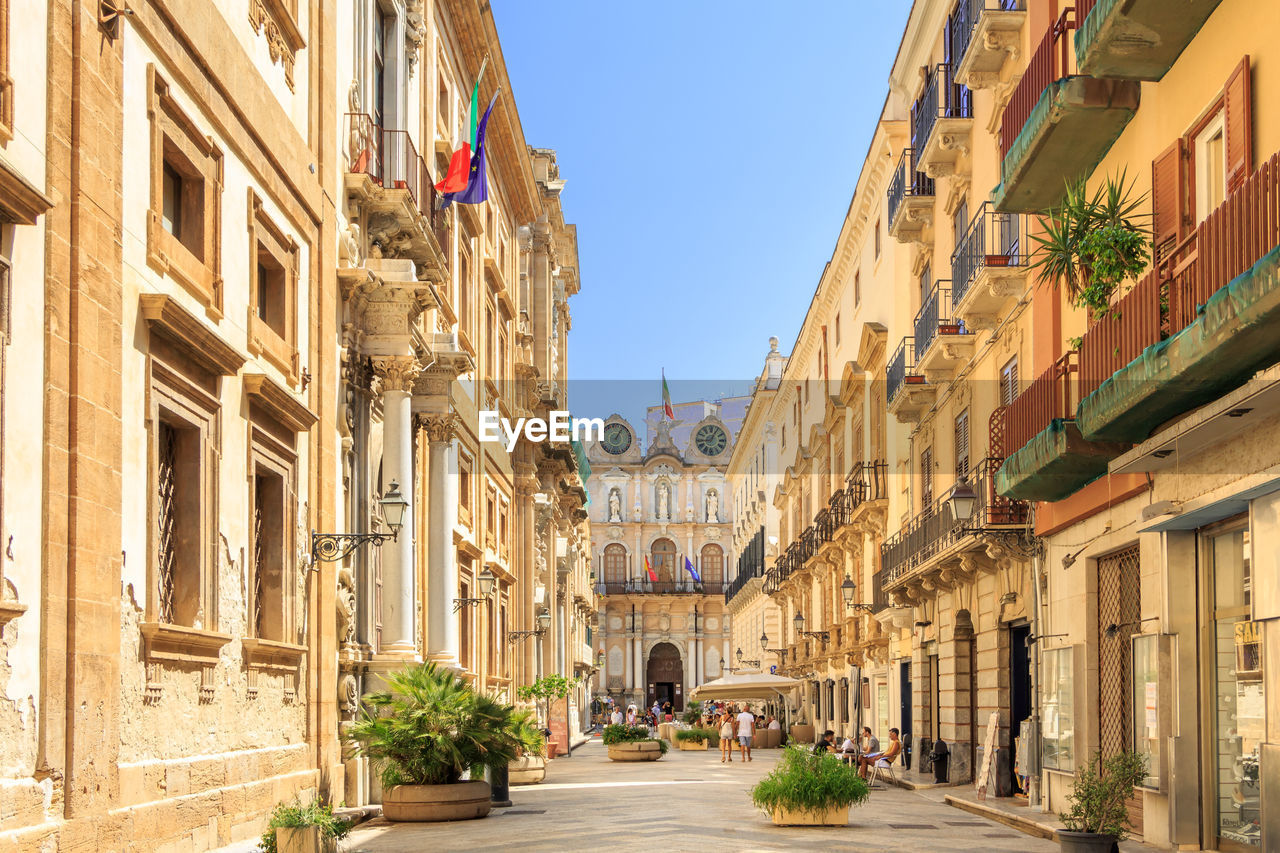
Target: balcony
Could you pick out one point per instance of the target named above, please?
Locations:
(879, 598)
(1136, 39)
(1057, 125)
(943, 344)
(1050, 459)
(936, 533)
(644, 586)
(1197, 326)
(740, 582)
(391, 187)
(942, 120)
(910, 200)
(985, 36)
(989, 268)
(908, 395)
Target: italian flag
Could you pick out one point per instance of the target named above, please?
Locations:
(455, 180)
(666, 399)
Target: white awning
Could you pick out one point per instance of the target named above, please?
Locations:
(744, 685)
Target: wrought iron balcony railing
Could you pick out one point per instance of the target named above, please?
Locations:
(900, 368)
(907, 181)
(935, 317)
(994, 239)
(942, 97)
(391, 160)
(643, 586)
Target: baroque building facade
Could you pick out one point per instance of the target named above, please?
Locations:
(655, 511)
(255, 318)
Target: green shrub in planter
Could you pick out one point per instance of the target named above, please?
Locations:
(692, 715)
(710, 736)
(297, 815)
(630, 734)
(1097, 800)
(804, 782)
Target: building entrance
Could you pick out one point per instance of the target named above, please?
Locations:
(665, 676)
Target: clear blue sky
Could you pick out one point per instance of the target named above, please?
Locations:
(710, 150)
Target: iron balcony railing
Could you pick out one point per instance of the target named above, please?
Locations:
(900, 367)
(868, 482)
(390, 158)
(879, 598)
(994, 239)
(644, 586)
(964, 19)
(935, 317)
(743, 578)
(907, 181)
(942, 97)
(809, 542)
(936, 528)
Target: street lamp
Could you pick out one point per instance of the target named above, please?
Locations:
(486, 579)
(544, 622)
(847, 589)
(799, 623)
(962, 499)
(764, 645)
(332, 547)
(747, 661)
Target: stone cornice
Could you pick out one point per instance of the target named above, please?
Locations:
(278, 402)
(166, 318)
(21, 202)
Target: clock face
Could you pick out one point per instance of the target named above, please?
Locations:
(617, 439)
(710, 440)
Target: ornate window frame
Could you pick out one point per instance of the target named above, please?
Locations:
(280, 250)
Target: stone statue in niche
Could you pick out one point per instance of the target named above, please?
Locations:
(615, 506)
(664, 501)
(713, 507)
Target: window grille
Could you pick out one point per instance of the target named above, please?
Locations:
(167, 546)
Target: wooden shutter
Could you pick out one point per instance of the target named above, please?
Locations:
(926, 480)
(1167, 195)
(1238, 123)
(1009, 381)
(962, 443)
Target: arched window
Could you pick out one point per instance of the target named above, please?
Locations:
(663, 559)
(712, 571)
(615, 564)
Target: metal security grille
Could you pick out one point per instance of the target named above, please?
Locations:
(259, 554)
(166, 522)
(1119, 599)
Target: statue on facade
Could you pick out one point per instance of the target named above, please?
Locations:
(664, 501)
(713, 507)
(615, 506)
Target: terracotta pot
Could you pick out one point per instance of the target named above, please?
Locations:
(949, 329)
(459, 801)
(996, 260)
(689, 745)
(640, 750)
(1085, 842)
(552, 748)
(527, 770)
(835, 816)
(304, 839)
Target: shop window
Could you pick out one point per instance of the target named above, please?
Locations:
(1057, 707)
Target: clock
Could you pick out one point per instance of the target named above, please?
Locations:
(710, 440)
(617, 439)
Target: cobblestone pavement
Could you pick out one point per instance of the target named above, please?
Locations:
(686, 801)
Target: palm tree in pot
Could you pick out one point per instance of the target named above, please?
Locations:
(424, 734)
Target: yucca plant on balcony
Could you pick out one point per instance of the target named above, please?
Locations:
(1094, 242)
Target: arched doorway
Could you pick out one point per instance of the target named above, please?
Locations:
(712, 568)
(663, 560)
(665, 677)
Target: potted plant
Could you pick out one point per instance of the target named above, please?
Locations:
(303, 828)
(690, 739)
(529, 766)
(1091, 244)
(547, 688)
(692, 715)
(429, 730)
(1098, 819)
(633, 743)
(804, 789)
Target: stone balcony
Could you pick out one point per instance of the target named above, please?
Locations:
(986, 38)
(1136, 39)
(989, 268)
(910, 200)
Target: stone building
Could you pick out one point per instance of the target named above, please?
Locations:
(665, 632)
(253, 319)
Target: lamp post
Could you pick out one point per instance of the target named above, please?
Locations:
(544, 622)
(332, 547)
(799, 623)
(747, 661)
(487, 579)
(764, 646)
(962, 499)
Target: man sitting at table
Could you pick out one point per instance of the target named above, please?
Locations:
(826, 743)
(880, 759)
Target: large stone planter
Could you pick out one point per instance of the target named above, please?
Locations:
(640, 750)
(304, 839)
(459, 801)
(802, 734)
(691, 745)
(1085, 842)
(836, 816)
(527, 770)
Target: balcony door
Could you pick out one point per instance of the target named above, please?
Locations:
(663, 560)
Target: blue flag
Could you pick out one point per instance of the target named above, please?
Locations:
(688, 565)
(477, 189)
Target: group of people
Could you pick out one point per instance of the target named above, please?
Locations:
(865, 752)
(740, 724)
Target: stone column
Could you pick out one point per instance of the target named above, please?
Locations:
(629, 680)
(396, 376)
(442, 567)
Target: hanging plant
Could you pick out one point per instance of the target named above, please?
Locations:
(1092, 243)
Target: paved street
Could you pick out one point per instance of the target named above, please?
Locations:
(686, 801)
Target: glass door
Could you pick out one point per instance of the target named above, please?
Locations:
(1236, 703)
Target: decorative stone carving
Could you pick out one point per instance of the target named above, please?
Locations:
(713, 507)
(348, 696)
(438, 427)
(396, 372)
(415, 30)
(346, 602)
(349, 245)
(273, 20)
(615, 506)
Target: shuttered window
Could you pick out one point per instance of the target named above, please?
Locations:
(1009, 381)
(1237, 112)
(962, 443)
(926, 479)
(1168, 193)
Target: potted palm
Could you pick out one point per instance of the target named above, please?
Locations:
(529, 766)
(1098, 818)
(804, 789)
(632, 743)
(303, 828)
(431, 736)
(688, 739)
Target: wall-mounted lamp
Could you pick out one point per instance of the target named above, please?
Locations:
(962, 500)
(332, 547)
(799, 623)
(544, 623)
(747, 661)
(486, 579)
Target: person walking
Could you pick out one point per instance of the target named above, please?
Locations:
(746, 731)
(726, 737)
